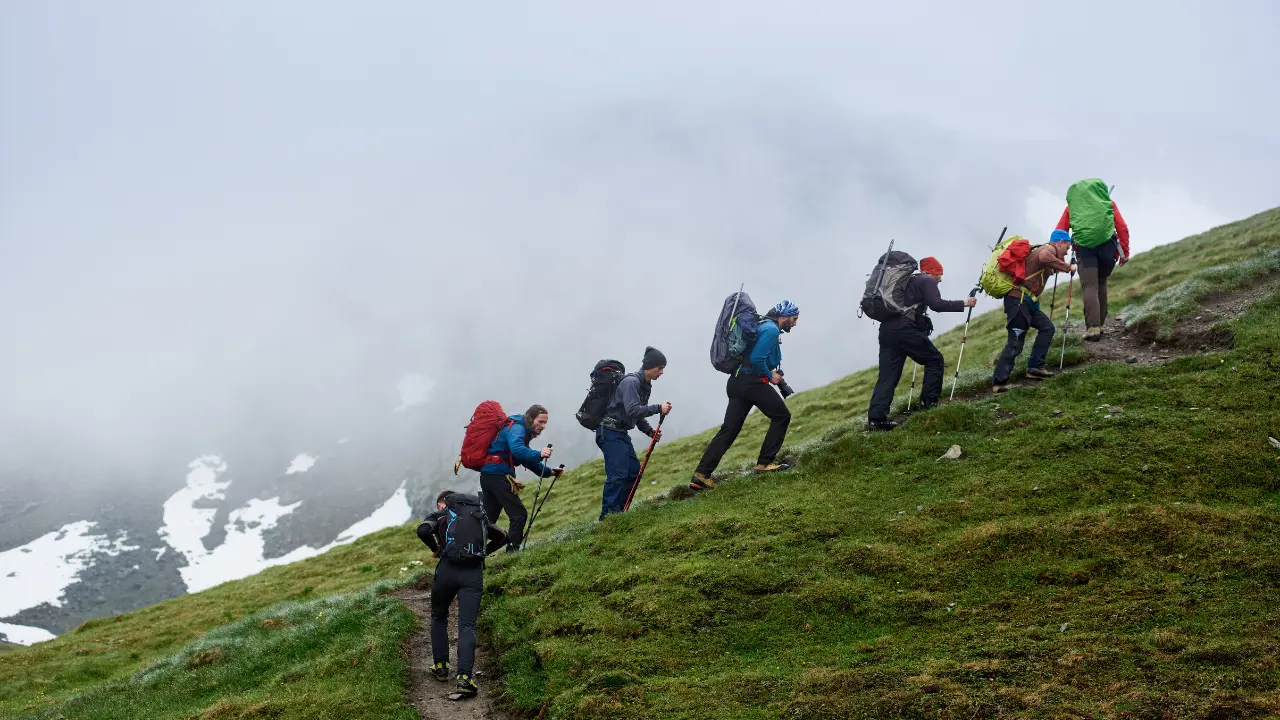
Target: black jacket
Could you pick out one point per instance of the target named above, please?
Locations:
(922, 291)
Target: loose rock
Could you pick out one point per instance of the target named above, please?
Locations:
(953, 453)
(1132, 359)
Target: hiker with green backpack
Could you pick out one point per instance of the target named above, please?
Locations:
(1017, 272)
(1101, 240)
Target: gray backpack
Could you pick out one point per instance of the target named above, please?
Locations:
(885, 295)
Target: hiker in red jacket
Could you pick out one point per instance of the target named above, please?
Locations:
(1022, 310)
(1099, 242)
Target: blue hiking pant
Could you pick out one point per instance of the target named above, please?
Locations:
(1021, 316)
(620, 468)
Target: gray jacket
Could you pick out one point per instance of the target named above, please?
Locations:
(629, 406)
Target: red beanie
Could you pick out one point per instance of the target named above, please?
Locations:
(931, 266)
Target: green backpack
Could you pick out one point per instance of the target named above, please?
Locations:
(1093, 217)
(994, 281)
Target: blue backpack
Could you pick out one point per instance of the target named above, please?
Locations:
(736, 331)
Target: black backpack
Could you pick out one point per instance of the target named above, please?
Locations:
(736, 330)
(604, 381)
(885, 294)
(466, 533)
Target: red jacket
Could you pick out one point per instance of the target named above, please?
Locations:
(1122, 229)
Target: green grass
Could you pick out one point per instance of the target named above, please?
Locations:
(1068, 565)
(824, 592)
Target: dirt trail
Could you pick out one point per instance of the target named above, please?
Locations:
(1197, 334)
(428, 696)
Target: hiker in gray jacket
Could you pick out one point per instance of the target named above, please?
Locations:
(629, 409)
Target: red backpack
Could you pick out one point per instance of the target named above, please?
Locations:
(486, 422)
(1014, 260)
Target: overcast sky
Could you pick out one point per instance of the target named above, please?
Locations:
(239, 214)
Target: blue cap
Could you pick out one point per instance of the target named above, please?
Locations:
(1060, 236)
(786, 309)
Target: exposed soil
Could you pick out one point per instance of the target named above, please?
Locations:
(1139, 344)
(429, 696)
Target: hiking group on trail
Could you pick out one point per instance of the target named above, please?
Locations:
(747, 347)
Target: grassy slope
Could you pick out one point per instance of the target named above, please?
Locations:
(814, 412)
(724, 634)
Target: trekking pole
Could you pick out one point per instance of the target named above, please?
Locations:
(965, 337)
(538, 508)
(652, 441)
(914, 366)
(1066, 329)
(539, 490)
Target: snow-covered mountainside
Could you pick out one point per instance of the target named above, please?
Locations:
(35, 577)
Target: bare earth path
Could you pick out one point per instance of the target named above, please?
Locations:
(428, 696)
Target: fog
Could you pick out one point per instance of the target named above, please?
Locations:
(238, 220)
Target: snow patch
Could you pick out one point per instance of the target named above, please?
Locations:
(301, 464)
(24, 634)
(242, 553)
(40, 571)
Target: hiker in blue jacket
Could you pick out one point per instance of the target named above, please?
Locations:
(748, 387)
(499, 490)
(628, 409)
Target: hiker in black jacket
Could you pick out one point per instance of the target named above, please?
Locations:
(466, 583)
(907, 336)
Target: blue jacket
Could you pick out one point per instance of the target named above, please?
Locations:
(510, 445)
(628, 408)
(766, 354)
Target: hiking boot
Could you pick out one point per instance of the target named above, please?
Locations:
(440, 671)
(1093, 334)
(467, 687)
(1040, 373)
(772, 467)
(881, 425)
(701, 482)
(997, 389)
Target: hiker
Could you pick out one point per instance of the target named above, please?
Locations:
(1101, 239)
(750, 386)
(907, 336)
(498, 486)
(628, 409)
(454, 532)
(1022, 310)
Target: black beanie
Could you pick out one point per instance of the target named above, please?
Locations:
(653, 358)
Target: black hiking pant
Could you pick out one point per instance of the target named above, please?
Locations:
(1096, 265)
(1022, 315)
(896, 345)
(496, 495)
(745, 391)
(466, 583)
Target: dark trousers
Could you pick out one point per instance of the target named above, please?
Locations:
(1022, 315)
(621, 466)
(896, 345)
(467, 585)
(745, 391)
(1096, 265)
(496, 495)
